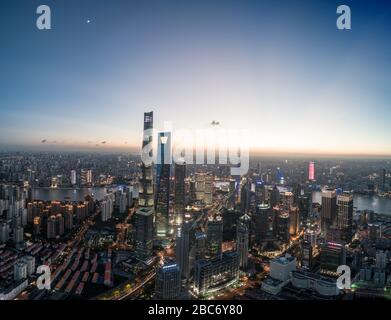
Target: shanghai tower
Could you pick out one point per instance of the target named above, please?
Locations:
(144, 215)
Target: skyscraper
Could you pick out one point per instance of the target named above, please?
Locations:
(297, 193)
(345, 215)
(86, 177)
(168, 282)
(144, 215)
(274, 197)
(180, 191)
(382, 182)
(146, 198)
(287, 199)
(242, 240)
(73, 177)
(261, 218)
(329, 209)
(214, 236)
(163, 185)
(245, 194)
(260, 192)
(232, 195)
(144, 233)
(208, 191)
(182, 249)
(200, 186)
(331, 257)
(282, 225)
(311, 171)
(294, 223)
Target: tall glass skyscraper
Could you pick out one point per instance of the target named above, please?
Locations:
(163, 185)
(180, 191)
(168, 282)
(144, 215)
(311, 171)
(146, 198)
(329, 209)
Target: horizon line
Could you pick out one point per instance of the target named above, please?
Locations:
(137, 150)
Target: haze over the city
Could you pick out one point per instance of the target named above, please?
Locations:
(295, 81)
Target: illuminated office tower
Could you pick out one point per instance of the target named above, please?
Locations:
(287, 199)
(86, 177)
(242, 240)
(163, 184)
(145, 214)
(200, 239)
(200, 186)
(146, 198)
(208, 191)
(294, 223)
(168, 282)
(311, 171)
(306, 255)
(73, 177)
(144, 233)
(214, 236)
(216, 273)
(329, 209)
(345, 215)
(282, 231)
(332, 255)
(180, 191)
(260, 192)
(245, 194)
(192, 190)
(182, 249)
(261, 222)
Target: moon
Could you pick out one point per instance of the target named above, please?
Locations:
(88, 21)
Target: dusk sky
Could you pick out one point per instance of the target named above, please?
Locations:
(281, 69)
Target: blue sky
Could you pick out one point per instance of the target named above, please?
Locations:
(278, 68)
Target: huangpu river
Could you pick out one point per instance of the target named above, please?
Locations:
(360, 202)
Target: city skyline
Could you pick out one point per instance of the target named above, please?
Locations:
(300, 85)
